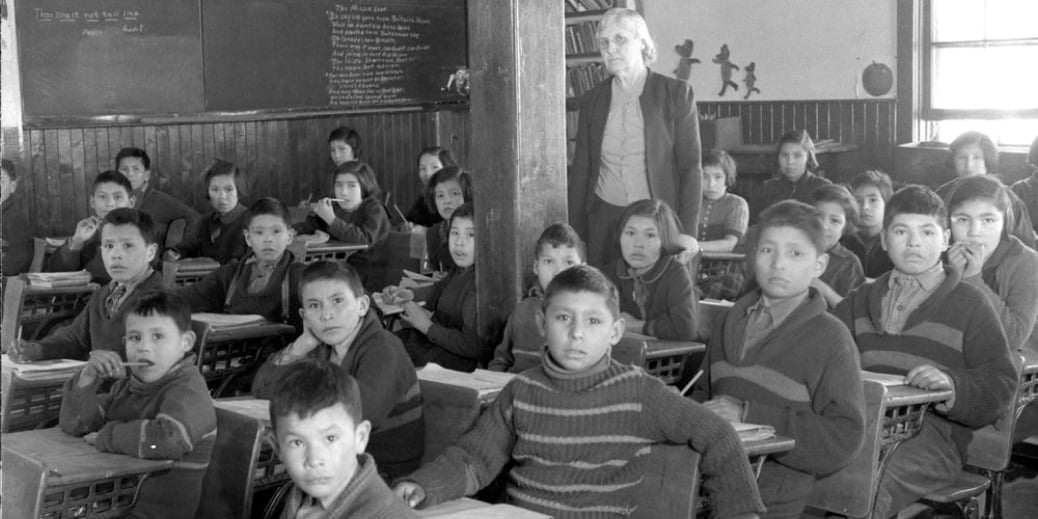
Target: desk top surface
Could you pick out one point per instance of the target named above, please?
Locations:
(334, 246)
(768, 445)
(467, 508)
(252, 407)
(71, 460)
(724, 256)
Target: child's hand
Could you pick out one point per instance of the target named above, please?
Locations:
(728, 408)
(171, 255)
(91, 438)
(956, 257)
(85, 229)
(691, 246)
(323, 209)
(412, 493)
(22, 350)
(632, 323)
(418, 317)
(929, 378)
(102, 364)
(974, 254)
(305, 343)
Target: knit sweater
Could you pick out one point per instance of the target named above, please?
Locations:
(171, 418)
(523, 342)
(663, 297)
(728, 215)
(955, 330)
(15, 238)
(578, 441)
(420, 214)
(1009, 280)
(875, 261)
(389, 393)
(92, 329)
(368, 225)
(803, 379)
(453, 331)
(366, 496)
(779, 188)
(230, 244)
(1027, 190)
(844, 272)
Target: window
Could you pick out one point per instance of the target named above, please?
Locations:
(980, 69)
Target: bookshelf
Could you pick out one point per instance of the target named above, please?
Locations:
(584, 67)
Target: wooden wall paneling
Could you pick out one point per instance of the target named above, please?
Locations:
(34, 169)
(89, 170)
(66, 175)
(53, 180)
(77, 169)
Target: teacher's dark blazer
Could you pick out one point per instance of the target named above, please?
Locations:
(672, 149)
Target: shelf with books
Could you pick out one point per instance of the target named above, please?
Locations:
(584, 67)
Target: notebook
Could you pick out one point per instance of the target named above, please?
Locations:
(56, 369)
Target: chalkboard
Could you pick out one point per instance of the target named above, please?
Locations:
(98, 57)
(281, 54)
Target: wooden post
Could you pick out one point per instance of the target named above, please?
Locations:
(518, 142)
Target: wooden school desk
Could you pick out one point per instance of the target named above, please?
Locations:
(666, 359)
(50, 474)
(331, 250)
(187, 271)
(30, 402)
(224, 353)
(32, 312)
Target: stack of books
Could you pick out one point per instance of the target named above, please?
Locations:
(58, 369)
(58, 279)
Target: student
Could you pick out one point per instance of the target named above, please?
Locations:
(344, 145)
(444, 331)
(127, 246)
(1027, 188)
(992, 260)
(317, 418)
(160, 410)
(895, 321)
(264, 281)
(355, 214)
(656, 293)
(111, 190)
(975, 154)
(162, 207)
(839, 213)
(723, 216)
(780, 359)
(447, 190)
(600, 415)
(871, 190)
(558, 248)
(219, 234)
(795, 179)
(16, 245)
(430, 160)
(339, 329)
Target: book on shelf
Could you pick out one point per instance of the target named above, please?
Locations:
(228, 321)
(56, 369)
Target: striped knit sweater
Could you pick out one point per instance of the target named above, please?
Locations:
(955, 330)
(171, 418)
(803, 379)
(578, 441)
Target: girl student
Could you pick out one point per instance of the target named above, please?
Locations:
(723, 219)
(430, 160)
(354, 214)
(795, 155)
(992, 259)
(448, 189)
(344, 145)
(844, 272)
(265, 281)
(444, 331)
(656, 294)
(220, 233)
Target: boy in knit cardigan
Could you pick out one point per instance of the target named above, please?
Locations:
(339, 328)
(921, 320)
(127, 247)
(578, 427)
(558, 248)
(780, 359)
(160, 410)
(316, 414)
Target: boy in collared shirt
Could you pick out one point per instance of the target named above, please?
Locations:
(921, 321)
(162, 207)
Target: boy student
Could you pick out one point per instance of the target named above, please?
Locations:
(871, 189)
(921, 320)
(780, 359)
(111, 190)
(339, 329)
(317, 417)
(16, 247)
(161, 206)
(160, 410)
(577, 429)
(127, 249)
(558, 249)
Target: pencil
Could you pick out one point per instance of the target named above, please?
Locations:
(399, 213)
(691, 382)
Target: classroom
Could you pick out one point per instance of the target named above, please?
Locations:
(519, 258)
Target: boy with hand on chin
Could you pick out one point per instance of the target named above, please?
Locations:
(161, 410)
(578, 427)
(316, 414)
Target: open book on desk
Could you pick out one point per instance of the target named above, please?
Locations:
(57, 369)
(486, 383)
(228, 321)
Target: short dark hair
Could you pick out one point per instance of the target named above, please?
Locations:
(839, 194)
(325, 270)
(583, 278)
(666, 222)
(8, 167)
(271, 206)
(465, 210)
(136, 153)
(444, 155)
(350, 137)
(987, 147)
(369, 187)
(802, 138)
(984, 187)
(723, 160)
(112, 176)
(447, 174)
(561, 235)
(222, 167)
(130, 216)
(161, 303)
(310, 385)
(874, 178)
(916, 199)
(798, 215)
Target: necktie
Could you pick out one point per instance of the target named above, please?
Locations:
(114, 298)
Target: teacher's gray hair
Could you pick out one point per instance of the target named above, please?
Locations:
(633, 20)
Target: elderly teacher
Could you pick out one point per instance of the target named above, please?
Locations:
(637, 138)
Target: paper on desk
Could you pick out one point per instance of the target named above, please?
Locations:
(485, 382)
(317, 238)
(225, 321)
(421, 278)
(44, 369)
(886, 379)
(753, 432)
(253, 407)
(471, 509)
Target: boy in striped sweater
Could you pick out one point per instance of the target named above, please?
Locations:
(922, 321)
(781, 360)
(161, 409)
(578, 428)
